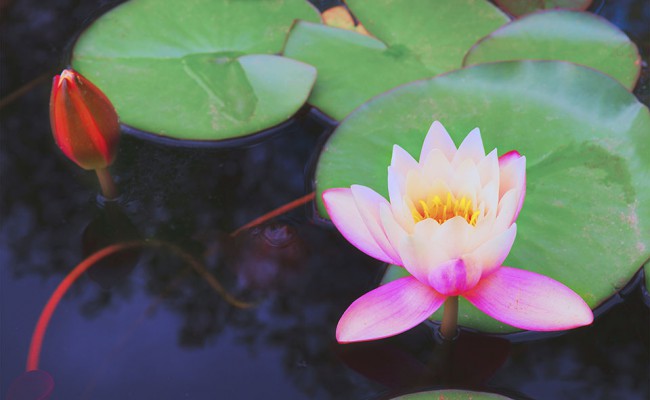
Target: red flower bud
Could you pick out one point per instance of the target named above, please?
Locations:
(84, 122)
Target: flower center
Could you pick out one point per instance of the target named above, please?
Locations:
(434, 207)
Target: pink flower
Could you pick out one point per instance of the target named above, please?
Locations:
(451, 223)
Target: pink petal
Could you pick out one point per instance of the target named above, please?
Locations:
(454, 277)
(508, 157)
(388, 310)
(471, 148)
(368, 203)
(528, 300)
(343, 211)
(437, 138)
(513, 176)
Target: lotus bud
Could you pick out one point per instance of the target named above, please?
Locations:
(85, 125)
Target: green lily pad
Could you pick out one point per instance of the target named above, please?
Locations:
(412, 40)
(586, 217)
(451, 395)
(521, 7)
(580, 38)
(203, 71)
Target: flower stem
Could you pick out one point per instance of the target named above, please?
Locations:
(449, 327)
(109, 190)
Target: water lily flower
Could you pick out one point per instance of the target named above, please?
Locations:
(450, 223)
(84, 124)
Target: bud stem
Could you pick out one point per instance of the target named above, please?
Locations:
(109, 190)
(449, 327)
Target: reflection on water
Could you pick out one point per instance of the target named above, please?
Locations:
(158, 329)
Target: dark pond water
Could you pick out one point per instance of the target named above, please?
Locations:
(158, 330)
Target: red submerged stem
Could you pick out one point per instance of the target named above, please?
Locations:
(51, 305)
(53, 302)
(278, 211)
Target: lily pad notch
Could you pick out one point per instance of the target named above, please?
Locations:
(403, 41)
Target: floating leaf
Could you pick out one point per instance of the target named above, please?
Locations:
(451, 395)
(580, 38)
(204, 71)
(522, 7)
(412, 40)
(586, 218)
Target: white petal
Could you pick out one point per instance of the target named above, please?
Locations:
(466, 181)
(488, 168)
(491, 254)
(489, 196)
(513, 176)
(471, 148)
(454, 235)
(438, 138)
(417, 186)
(507, 211)
(396, 190)
(394, 231)
(420, 252)
(402, 161)
(437, 167)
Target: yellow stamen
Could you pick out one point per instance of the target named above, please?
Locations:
(433, 207)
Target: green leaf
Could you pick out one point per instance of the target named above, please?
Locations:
(451, 395)
(203, 71)
(334, 51)
(586, 217)
(521, 7)
(580, 38)
(412, 40)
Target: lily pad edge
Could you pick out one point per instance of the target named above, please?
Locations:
(637, 61)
